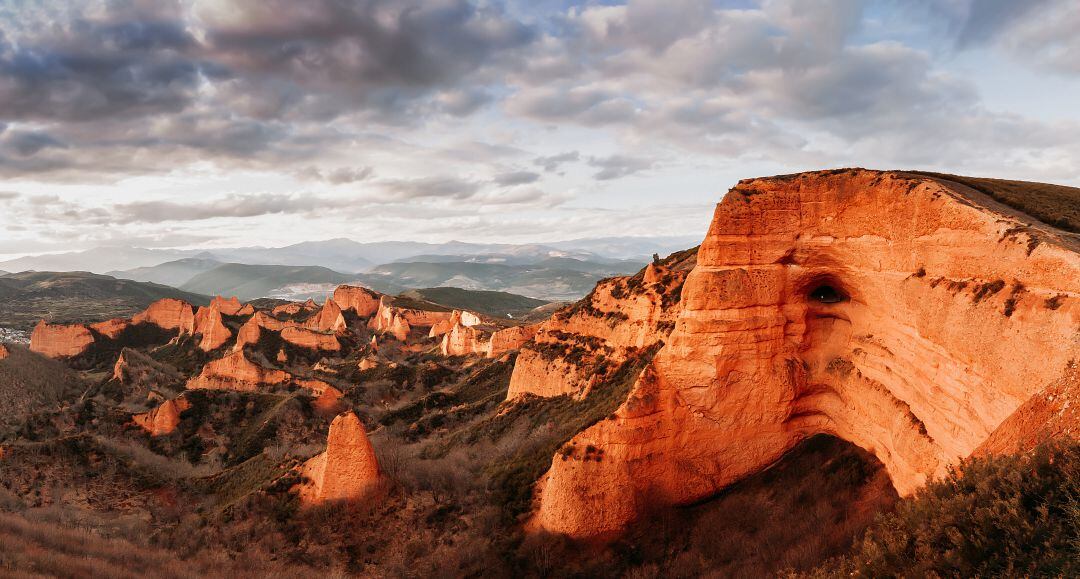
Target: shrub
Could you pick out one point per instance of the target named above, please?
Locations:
(1005, 516)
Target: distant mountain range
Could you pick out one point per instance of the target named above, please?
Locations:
(348, 256)
(255, 281)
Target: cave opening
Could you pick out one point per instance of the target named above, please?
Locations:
(827, 294)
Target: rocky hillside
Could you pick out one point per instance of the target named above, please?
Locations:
(747, 407)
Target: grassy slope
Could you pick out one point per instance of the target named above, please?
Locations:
(29, 382)
(1055, 205)
(255, 281)
(78, 297)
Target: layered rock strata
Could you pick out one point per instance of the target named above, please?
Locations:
(908, 315)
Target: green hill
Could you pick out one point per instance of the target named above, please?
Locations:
(256, 281)
(491, 303)
(175, 273)
(77, 296)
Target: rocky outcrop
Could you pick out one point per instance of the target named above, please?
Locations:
(250, 332)
(507, 339)
(209, 324)
(169, 314)
(228, 307)
(164, 419)
(111, 328)
(399, 320)
(583, 342)
(328, 319)
(236, 372)
(457, 317)
(908, 315)
(60, 341)
(347, 471)
(360, 300)
(142, 374)
(463, 340)
(310, 339)
(4, 353)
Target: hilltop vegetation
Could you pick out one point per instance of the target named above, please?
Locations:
(1055, 205)
(76, 296)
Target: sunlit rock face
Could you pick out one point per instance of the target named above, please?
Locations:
(170, 314)
(60, 341)
(360, 300)
(569, 351)
(906, 315)
(347, 470)
(236, 372)
(164, 419)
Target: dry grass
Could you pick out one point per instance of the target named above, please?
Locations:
(1055, 205)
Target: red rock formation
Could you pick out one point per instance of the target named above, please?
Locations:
(358, 299)
(292, 309)
(228, 307)
(507, 339)
(310, 339)
(209, 324)
(247, 310)
(4, 353)
(111, 328)
(399, 321)
(170, 314)
(60, 341)
(164, 419)
(348, 470)
(901, 313)
(463, 340)
(328, 319)
(620, 316)
(457, 317)
(367, 363)
(236, 372)
(251, 330)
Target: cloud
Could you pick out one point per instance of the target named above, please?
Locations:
(552, 163)
(8, 195)
(338, 176)
(618, 166)
(516, 178)
(430, 188)
(234, 206)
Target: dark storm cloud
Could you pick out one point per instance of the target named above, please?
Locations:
(368, 53)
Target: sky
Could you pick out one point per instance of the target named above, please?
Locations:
(215, 123)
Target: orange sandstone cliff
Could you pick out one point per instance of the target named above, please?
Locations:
(170, 314)
(236, 372)
(599, 332)
(362, 301)
(164, 419)
(60, 341)
(347, 470)
(909, 315)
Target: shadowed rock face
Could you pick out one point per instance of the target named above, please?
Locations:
(60, 341)
(236, 372)
(903, 314)
(164, 419)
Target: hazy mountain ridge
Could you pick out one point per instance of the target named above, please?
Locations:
(348, 256)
